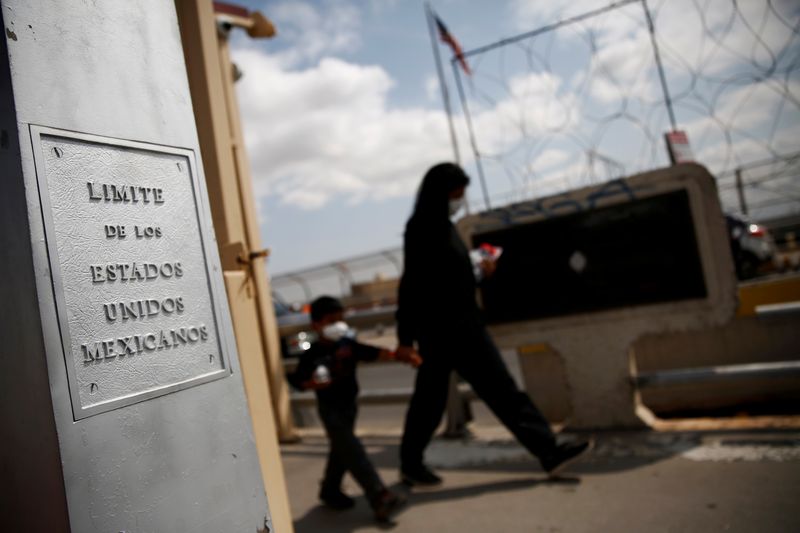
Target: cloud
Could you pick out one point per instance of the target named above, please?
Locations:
(550, 179)
(726, 65)
(754, 105)
(720, 35)
(746, 124)
(320, 129)
(530, 14)
(310, 31)
(623, 68)
(432, 88)
(327, 131)
(550, 158)
(707, 38)
(535, 105)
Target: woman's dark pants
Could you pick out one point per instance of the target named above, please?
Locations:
(476, 359)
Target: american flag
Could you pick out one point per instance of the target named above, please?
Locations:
(445, 36)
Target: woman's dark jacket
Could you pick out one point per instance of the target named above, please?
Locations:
(436, 297)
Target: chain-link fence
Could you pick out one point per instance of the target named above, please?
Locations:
(762, 190)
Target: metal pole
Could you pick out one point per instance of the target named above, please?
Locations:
(471, 131)
(445, 94)
(458, 413)
(659, 66)
(740, 190)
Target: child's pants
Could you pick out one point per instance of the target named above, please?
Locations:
(346, 451)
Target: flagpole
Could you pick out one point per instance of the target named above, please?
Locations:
(465, 107)
(442, 84)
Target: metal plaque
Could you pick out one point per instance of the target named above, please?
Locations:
(137, 296)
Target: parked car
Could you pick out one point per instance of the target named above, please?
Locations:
(300, 337)
(752, 245)
(294, 344)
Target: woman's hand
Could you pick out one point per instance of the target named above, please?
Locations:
(313, 384)
(408, 355)
(488, 266)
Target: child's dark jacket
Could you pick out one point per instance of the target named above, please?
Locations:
(341, 359)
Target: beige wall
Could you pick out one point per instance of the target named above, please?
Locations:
(237, 232)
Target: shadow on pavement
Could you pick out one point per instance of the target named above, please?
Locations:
(445, 493)
(491, 467)
(613, 452)
(321, 518)
(361, 516)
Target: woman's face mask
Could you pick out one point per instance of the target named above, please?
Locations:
(455, 205)
(337, 331)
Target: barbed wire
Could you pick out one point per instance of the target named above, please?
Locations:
(577, 101)
(764, 189)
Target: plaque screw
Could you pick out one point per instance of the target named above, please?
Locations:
(58, 151)
(93, 388)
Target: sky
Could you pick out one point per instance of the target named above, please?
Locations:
(343, 111)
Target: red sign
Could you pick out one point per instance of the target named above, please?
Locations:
(678, 147)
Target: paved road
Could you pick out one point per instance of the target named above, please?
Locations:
(738, 481)
(718, 478)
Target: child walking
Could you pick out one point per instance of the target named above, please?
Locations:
(329, 368)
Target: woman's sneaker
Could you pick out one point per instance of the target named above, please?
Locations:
(419, 476)
(336, 499)
(564, 455)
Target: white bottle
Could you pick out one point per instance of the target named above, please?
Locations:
(322, 374)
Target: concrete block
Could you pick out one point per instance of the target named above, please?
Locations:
(595, 341)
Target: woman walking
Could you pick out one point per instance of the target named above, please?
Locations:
(437, 309)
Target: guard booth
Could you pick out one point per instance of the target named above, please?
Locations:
(586, 273)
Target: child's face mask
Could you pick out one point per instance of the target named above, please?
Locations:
(337, 331)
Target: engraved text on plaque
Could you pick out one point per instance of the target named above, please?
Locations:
(137, 299)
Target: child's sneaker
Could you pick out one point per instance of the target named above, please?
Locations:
(336, 499)
(386, 504)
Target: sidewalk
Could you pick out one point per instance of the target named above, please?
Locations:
(693, 477)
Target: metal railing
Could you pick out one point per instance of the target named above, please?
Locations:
(338, 278)
(712, 374)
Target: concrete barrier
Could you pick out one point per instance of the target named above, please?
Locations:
(589, 272)
(755, 357)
